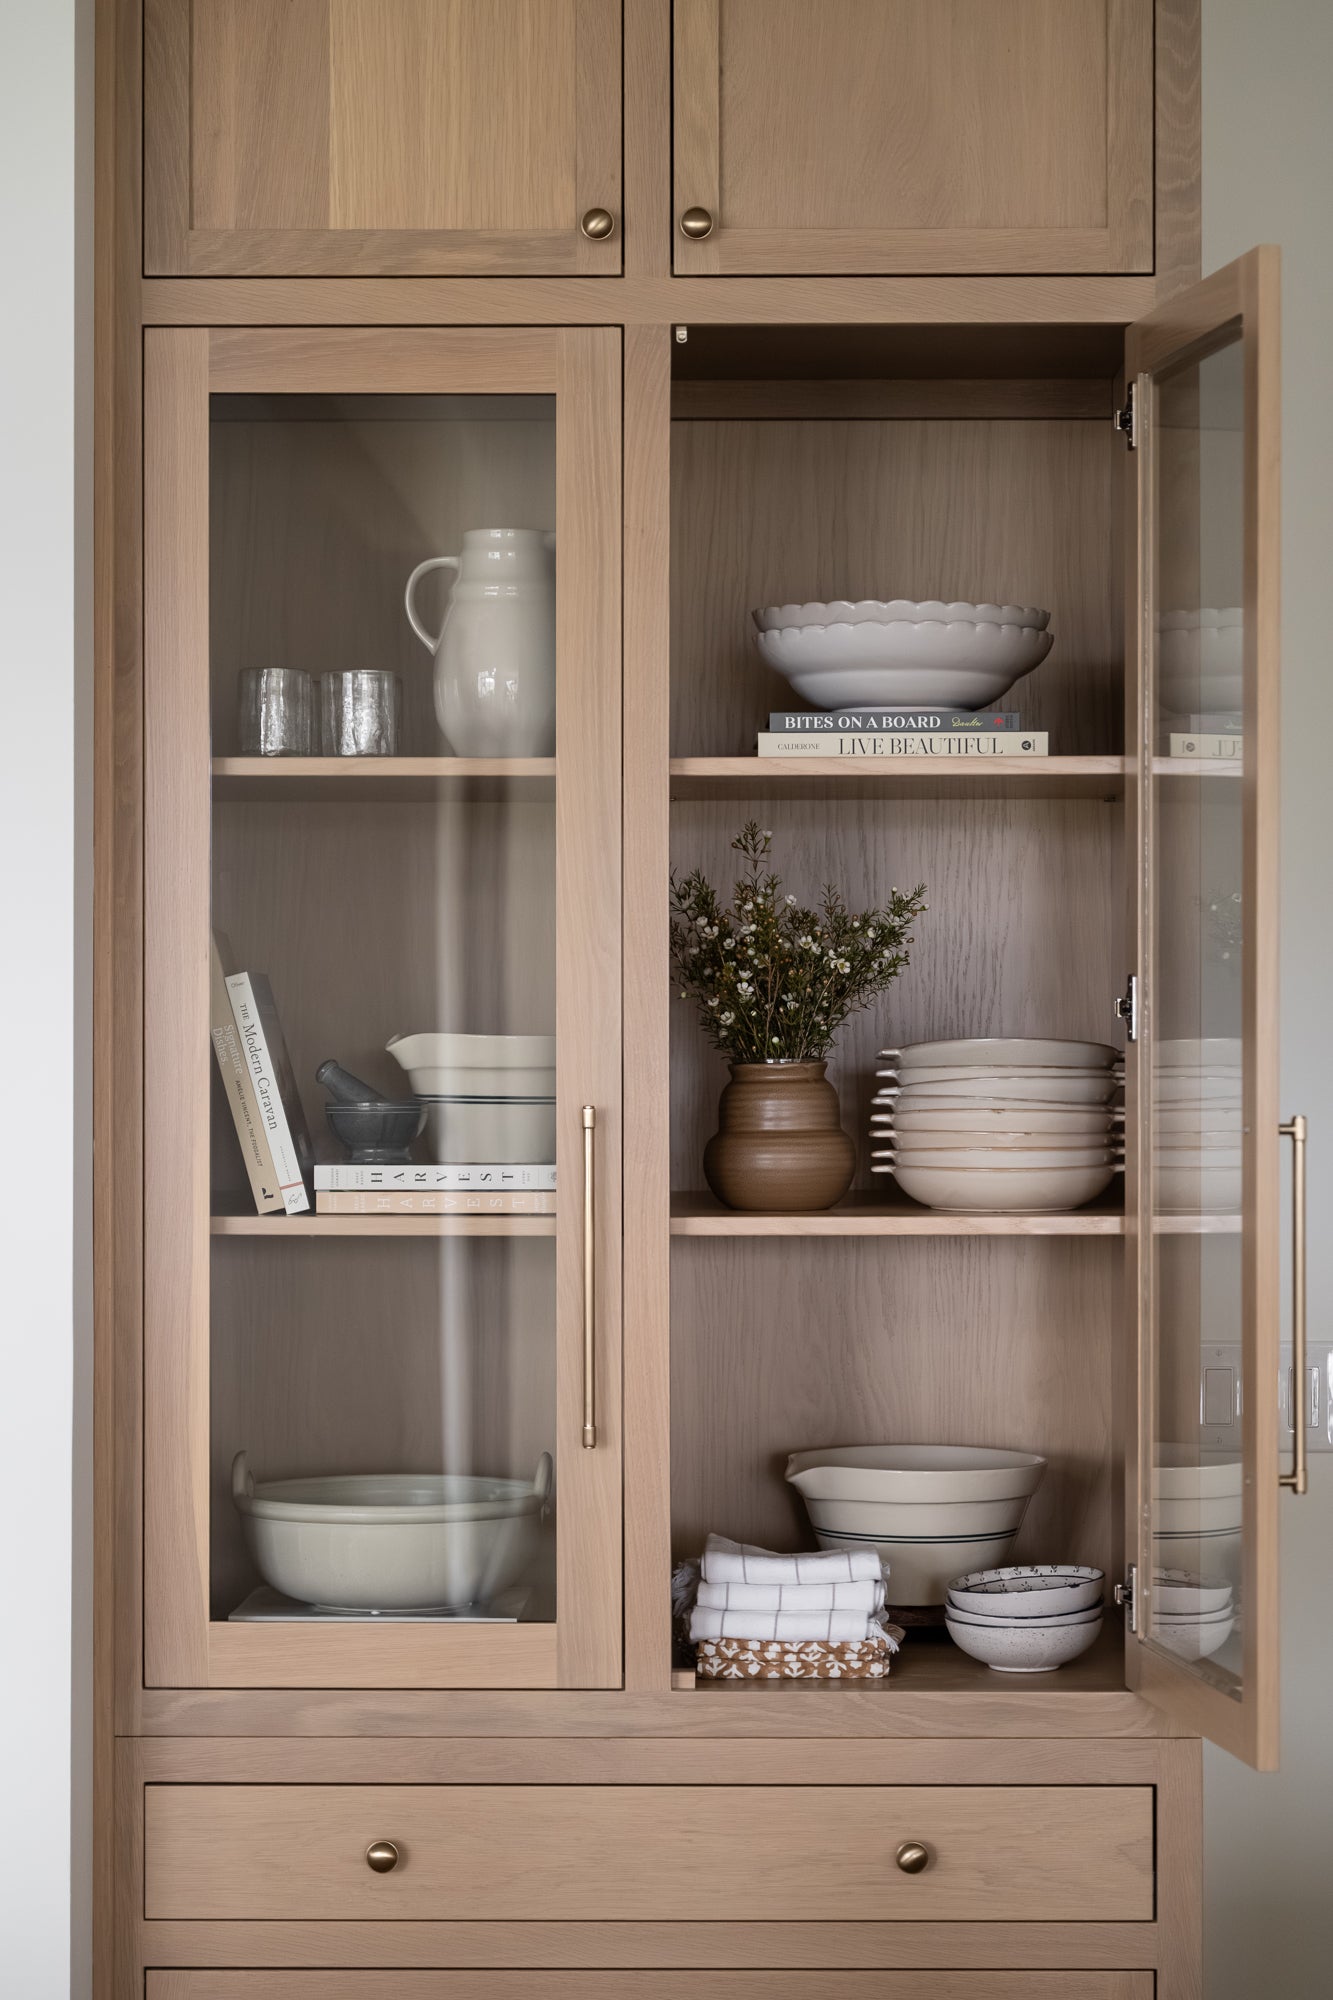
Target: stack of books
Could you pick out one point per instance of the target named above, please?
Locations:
(435, 1190)
(917, 732)
(1207, 736)
(261, 1088)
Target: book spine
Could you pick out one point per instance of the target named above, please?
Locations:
(273, 1118)
(497, 1179)
(1229, 723)
(1031, 744)
(240, 1091)
(333, 1202)
(1213, 746)
(878, 722)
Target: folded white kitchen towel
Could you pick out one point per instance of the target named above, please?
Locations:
(837, 1626)
(738, 1562)
(864, 1597)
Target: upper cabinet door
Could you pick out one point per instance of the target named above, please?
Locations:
(1204, 1151)
(913, 135)
(371, 138)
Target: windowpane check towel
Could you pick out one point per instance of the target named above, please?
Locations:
(737, 1562)
(862, 1597)
(839, 1626)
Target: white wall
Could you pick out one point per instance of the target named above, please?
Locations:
(45, 859)
(1268, 177)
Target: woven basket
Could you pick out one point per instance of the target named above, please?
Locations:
(804, 1660)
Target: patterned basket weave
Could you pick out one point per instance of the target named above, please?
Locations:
(806, 1660)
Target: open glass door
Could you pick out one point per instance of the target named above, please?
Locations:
(1202, 1476)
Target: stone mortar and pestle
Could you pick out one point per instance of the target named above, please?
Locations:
(376, 1130)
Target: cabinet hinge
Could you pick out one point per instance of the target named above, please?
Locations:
(1127, 1007)
(1124, 419)
(1124, 1595)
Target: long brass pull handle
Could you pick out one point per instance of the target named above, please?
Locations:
(1298, 1478)
(589, 1279)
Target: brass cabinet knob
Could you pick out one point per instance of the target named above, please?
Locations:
(382, 1855)
(598, 223)
(912, 1857)
(696, 223)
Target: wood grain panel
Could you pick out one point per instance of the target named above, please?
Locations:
(777, 1347)
(354, 135)
(969, 136)
(781, 512)
(621, 1985)
(648, 1852)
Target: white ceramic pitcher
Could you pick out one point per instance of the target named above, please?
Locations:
(495, 652)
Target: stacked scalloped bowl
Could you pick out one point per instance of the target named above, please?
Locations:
(1197, 1126)
(900, 652)
(1026, 1621)
(1000, 1125)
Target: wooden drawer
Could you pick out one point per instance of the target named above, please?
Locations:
(869, 1985)
(514, 1853)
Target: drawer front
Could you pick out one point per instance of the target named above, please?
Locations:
(510, 1853)
(870, 1985)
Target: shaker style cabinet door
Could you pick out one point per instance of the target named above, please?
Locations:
(865, 136)
(374, 138)
(1204, 1141)
(382, 910)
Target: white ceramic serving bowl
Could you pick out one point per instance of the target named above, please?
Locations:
(1034, 1590)
(1003, 1093)
(440, 1065)
(1192, 1639)
(1180, 1474)
(1200, 660)
(895, 611)
(501, 1131)
(1058, 1121)
(391, 1541)
(991, 1051)
(1004, 1190)
(961, 663)
(997, 1159)
(1004, 1621)
(1183, 1593)
(914, 1474)
(920, 1566)
(1024, 1649)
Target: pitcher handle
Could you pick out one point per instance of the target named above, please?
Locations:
(432, 645)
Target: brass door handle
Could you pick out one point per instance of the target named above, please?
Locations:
(1297, 1480)
(598, 224)
(589, 1279)
(696, 223)
(912, 1857)
(381, 1855)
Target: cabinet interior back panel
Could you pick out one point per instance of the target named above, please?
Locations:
(777, 1346)
(1015, 511)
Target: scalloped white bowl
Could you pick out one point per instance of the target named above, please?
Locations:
(963, 663)
(895, 611)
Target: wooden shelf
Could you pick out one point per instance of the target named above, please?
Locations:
(897, 778)
(406, 779)
(696, 1213)
(279, 1227)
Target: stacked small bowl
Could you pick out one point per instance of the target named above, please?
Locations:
(1197, 1126)
(1026, 1621)
(999, 1125)
(1193, 1616)
(900, 652)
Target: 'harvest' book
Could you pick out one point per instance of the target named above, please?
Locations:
(531, 1202)
(347, 1178)
(281, 1117)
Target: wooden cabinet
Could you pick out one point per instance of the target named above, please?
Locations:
(913, 135)
(315, 137)
(868, 1984)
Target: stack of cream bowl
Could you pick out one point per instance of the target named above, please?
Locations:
(1000, 1125)
(1193, 1616)
(900, 652)
(1026, 1621)
(1197, 1126)
(927, 1508)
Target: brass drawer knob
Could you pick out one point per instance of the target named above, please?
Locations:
(696, 223)
(598, 223)
(912, 1857)
(382, 1855)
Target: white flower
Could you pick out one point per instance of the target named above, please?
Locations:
(844, 965)
(791, 900)
(713, 1001)
(701, 924)
(744, 988)
(775, 1039)
(727, 1018)
(768, 833)
(728, 944)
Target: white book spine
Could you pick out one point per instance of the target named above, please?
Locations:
(1207, 745)
(959, 745)
(495, 1178)
(530, 1202)
(254, 1046)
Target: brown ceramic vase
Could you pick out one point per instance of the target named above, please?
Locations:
(779, 1146)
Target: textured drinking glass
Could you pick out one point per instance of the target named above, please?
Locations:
(360, 712)
(276, 715)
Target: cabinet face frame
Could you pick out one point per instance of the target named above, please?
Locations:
(1241, 299)
(581, 370)
(1124, 244)
(175, 246)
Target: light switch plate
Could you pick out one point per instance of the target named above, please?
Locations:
(1220, 1396)
(1316, 1400)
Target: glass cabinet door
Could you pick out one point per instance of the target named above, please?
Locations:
(1202, 1493)
(382, 1008)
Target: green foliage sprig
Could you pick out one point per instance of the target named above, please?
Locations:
(774, 980)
